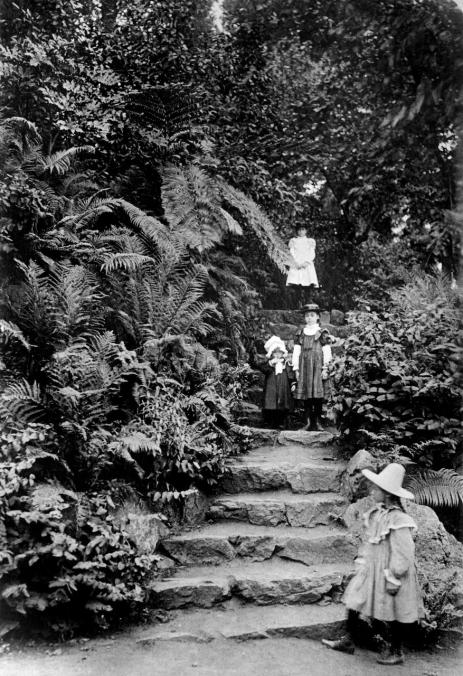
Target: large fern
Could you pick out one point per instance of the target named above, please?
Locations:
(193, 207)
(437, 488)
(257, 224)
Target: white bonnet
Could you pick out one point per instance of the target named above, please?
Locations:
(273, 343)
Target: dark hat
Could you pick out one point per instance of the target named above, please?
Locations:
(310, 307)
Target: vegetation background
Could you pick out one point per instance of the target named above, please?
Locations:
(155, 158)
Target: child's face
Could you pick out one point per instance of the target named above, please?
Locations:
(277, 354)
(377, 494)
(301, 232)
(311, 318)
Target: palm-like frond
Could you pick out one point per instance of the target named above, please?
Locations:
(11, 332)
(59, 163)
(129, 262)
(258, 223)
(23, 402)
(192, 205)
(437, 488)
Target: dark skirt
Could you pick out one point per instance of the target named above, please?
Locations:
(310, 383)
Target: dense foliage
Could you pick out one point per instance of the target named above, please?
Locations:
(398, 383)
(153, 158)
(65, 562)
(337, 115)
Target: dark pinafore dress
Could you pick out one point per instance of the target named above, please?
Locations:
(310, 383)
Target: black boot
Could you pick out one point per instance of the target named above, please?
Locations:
(343, 644)
(317, 408)
(316, 425)
(308, 415)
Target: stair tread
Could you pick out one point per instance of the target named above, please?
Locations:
(237, 529)
(284, 462)
(279, 497)
(291, 455)
(278, 569)
(246, 621)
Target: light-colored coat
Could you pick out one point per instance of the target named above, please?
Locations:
(302, 250)
(386, 559)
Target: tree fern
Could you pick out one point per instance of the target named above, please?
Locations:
(437, 488)
(258, 224)
(192, 205)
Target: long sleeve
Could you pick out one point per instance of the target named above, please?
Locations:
(295, 357)
(402, 551)
(327, 355)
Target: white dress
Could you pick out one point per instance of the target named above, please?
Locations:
(302, 250)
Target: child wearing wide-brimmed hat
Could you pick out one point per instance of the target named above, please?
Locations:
(277, 398)
(311, 356)
(385, 587)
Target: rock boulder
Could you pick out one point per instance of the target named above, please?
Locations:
(353, 484)
(439, 556)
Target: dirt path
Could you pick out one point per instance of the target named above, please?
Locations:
(269, 657)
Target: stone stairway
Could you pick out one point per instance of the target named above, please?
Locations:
(271, 558)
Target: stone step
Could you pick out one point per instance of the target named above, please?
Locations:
(250, 622)
(225, 541)
(267, 583)
(312, 475)
(287, 331)
(273, 508)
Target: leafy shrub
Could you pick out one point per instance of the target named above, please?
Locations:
(399, 376)
(64, 562)
(176, 442)
(441, 612)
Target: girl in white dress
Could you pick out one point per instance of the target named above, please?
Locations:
(302, 275)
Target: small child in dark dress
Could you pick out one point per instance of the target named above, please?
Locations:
(277, 399)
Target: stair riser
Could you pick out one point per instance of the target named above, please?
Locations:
(275, 513)
(217, 550)
(259, 592)
(300, 479)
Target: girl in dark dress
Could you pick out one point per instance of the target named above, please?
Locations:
(277, 398)
(311, 356)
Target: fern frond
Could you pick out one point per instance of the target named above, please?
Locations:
(129, 262)
(23, 401)
(60, 162)
(437, 488)
(258, 223)
(9, 331)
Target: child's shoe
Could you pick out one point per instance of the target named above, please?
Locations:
(343, 645)
(390, 658)
(316, 425)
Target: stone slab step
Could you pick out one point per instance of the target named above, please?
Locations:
(287, 330)
(273, 508)
(306, 438)
(267, 583)
(250, 622)
(228, 540)
(286, 455)
(251, 473)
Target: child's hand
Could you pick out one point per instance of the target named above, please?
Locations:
(391, 589)
(293, 387)
(325, 375)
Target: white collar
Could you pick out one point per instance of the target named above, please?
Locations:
(311, 330)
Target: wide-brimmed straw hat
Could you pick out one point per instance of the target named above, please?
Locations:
(390, 480)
